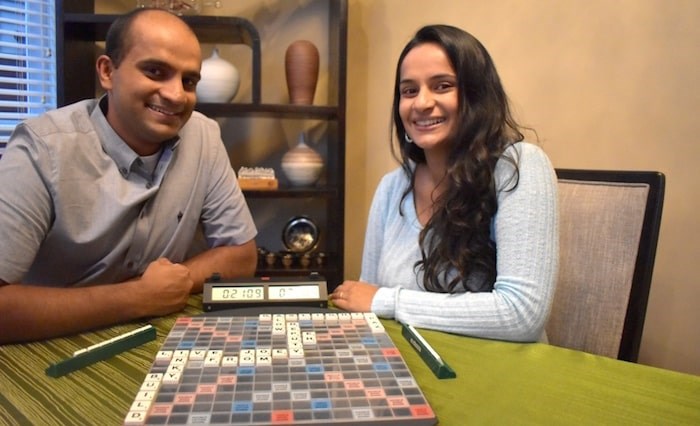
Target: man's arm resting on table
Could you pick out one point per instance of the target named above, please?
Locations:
(33, 312)
(227, 261)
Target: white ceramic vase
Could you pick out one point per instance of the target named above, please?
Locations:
(220, 80)
(301, 164)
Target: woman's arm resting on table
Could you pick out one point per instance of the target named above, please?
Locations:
(509, 312)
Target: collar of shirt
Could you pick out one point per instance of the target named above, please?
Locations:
(123, 156)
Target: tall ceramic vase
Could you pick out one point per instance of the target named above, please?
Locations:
(301, 69)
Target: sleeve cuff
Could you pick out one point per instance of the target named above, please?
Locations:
(384, 301)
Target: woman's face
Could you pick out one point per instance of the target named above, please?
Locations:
(428, 103)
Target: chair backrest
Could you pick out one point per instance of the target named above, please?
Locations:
(609, 226)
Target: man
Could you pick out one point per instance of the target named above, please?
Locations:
(113, 191)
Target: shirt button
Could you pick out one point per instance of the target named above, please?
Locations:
(130, 264)
(123, 171)
(149, 185)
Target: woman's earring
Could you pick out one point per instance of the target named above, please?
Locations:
(408, 138)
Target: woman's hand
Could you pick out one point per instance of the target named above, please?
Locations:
(355, 296)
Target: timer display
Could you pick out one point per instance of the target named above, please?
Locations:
(237, 293)
(296, 292)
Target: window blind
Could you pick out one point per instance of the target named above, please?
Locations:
(27, 62)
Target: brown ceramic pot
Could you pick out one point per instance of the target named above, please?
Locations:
(301, 69)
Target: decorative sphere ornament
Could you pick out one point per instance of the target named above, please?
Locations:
(220, 80)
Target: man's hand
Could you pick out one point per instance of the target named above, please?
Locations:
(163, 288)
(227, 261)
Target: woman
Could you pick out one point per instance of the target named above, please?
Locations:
(463, 236)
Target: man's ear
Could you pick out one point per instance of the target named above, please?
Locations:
(105, 68)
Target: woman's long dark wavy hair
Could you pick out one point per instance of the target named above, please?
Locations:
(457, 237)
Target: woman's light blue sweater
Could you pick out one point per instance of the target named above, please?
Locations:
(525, 230)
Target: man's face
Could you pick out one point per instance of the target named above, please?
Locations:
(152, 91)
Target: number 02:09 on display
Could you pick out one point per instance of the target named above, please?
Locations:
(275, 292)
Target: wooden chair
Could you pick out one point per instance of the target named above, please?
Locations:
(609, 226)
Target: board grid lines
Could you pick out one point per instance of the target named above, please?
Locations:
(289, 368)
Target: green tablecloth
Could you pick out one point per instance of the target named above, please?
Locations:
(497, 383)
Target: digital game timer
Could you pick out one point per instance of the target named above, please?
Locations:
(264, 291)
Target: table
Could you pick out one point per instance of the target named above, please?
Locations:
(497, 382)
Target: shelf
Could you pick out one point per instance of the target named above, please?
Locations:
(269, 110)
(292, 270)
(326, 271)
(315, 192)
(209, 29)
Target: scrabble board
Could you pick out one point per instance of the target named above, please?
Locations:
(285, 368)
